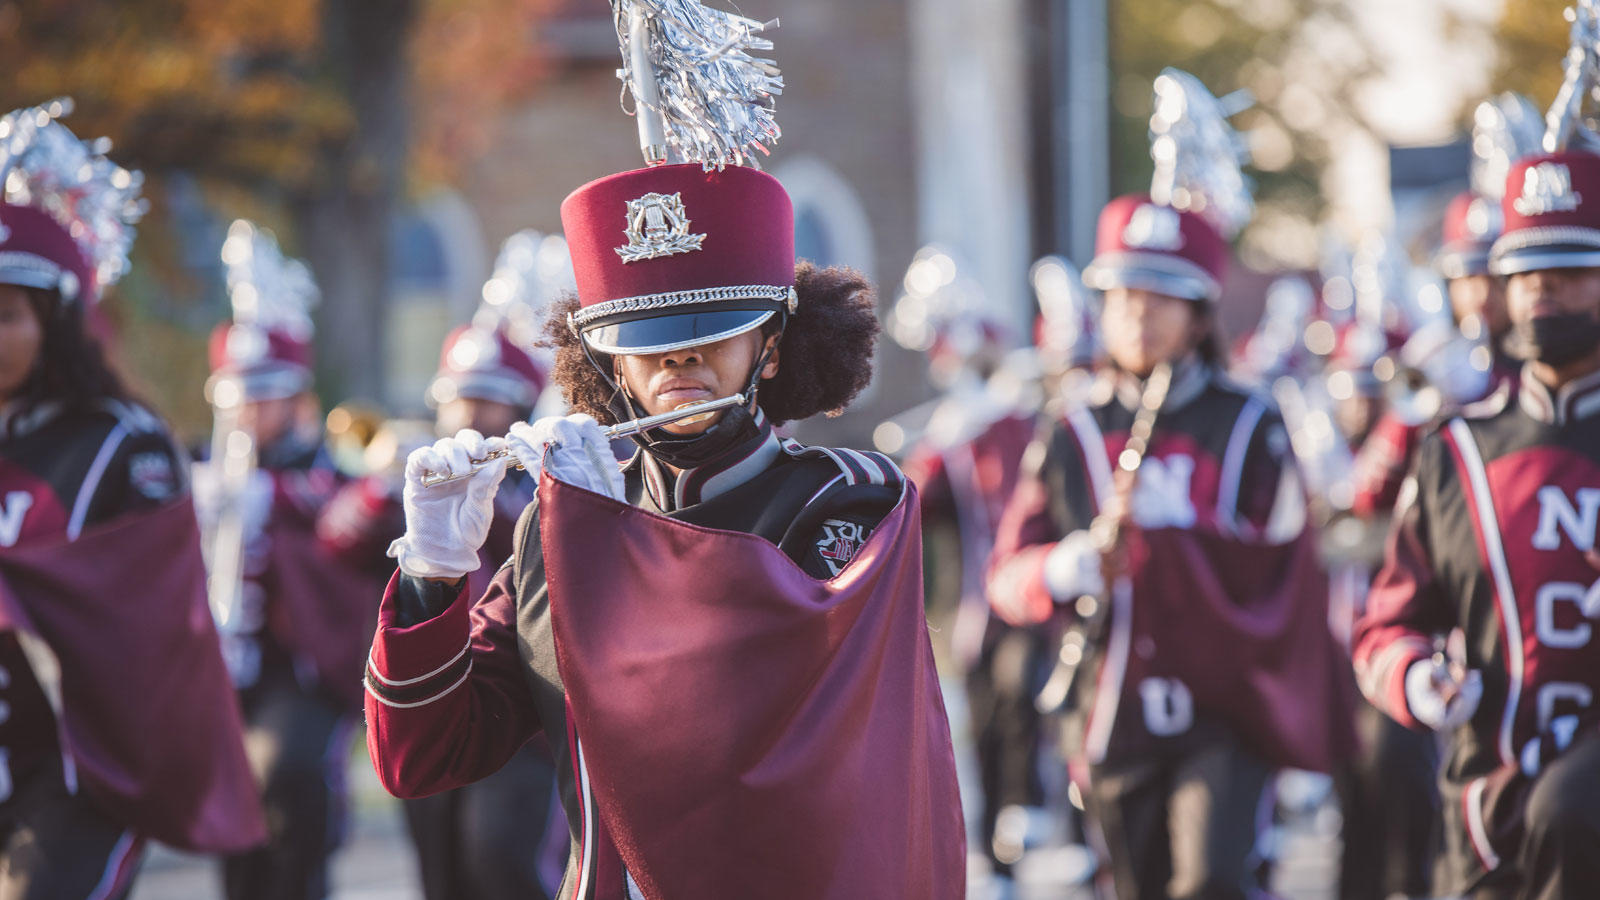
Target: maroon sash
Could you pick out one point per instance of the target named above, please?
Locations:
(747, 730)
(148, 714)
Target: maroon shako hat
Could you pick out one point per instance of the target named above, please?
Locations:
(1552, 214)
(485, 364)
(1143, 244)
(265, 351)
(66, 211)
(1174, 240)
(677, 255)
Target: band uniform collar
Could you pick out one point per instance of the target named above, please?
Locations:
(1577, 399)
(701, 483)
(1189, 378)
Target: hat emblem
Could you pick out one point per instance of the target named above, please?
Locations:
(1546, 188)
(1154, 228)
(1483, 218)
(658, 226)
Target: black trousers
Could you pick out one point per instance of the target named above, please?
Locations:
(298, 743)
(1556, 854)
(1005, 724)
(502, 838)
(1390, 810)
(57, 846)
(1181, 822)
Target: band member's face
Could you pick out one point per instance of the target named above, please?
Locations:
(269, 420)
(1143, 328)
(661, 382)
(21, 338)
(1483, 296)
(482, 416)
(1544, 292)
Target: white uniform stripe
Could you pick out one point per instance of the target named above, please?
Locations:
(412, 705)
(1244, 428)
(1472, 799)
(874, 473)
(109, 878)
(589, 830)
(373, 668)
(1489, 527)
(1094, 454)
(91, 481)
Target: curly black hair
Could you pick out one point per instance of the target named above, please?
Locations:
(824, 356)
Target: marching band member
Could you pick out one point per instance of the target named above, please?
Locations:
(499, 838)
(293, 634)
(1203, 614)
(964, 466)
(102, 591)
(1494, 536)
(723, 643)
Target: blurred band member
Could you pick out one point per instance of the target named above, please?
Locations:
(116, 725)
(292, 635)
(1492, 538)
(1196, 696)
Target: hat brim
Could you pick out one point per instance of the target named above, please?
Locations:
(276, 383)
(664, 334)
(1549, 256)
(1183, 287)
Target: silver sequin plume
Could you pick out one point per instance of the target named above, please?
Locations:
(1198, 154)
(699, 91)
(44, 165)
(269, 291)
(1565, 123)
(532, 271)
(1504, 130)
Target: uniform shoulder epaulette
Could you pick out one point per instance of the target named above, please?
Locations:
(135, 419)
(857, 466)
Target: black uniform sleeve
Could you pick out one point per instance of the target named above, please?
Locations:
(145, 471)
(831, 528)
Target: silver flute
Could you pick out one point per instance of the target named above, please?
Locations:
(689, 411)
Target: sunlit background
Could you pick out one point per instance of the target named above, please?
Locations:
(395, 143)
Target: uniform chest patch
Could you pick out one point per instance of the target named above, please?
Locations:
(839, 542)
(152, 476)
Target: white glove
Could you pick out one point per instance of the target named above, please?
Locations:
(211, 496)
(1426, 680)
(1072, 568)
(572, 449)
(447, 522)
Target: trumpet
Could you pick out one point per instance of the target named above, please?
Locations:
(689, 412)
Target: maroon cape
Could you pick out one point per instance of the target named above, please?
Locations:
(748, 730)
(1271, 667)
(148, 713)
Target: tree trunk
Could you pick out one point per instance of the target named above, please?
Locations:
(345, 216)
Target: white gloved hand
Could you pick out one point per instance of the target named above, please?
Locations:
(447, 522)
(572, 449)
(1072, 568)
(1437, 700)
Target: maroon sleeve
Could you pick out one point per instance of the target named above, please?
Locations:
(1406, 607)
(1381, 465)
(446, 700)
(926, 469)
(1028, 530)
(359, 522)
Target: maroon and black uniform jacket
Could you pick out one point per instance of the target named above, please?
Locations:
(1495, 535)
(1217, 497)
(61, 472)
(967, 478)
(451, 697)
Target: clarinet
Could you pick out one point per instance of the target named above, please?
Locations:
(1094, 613)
